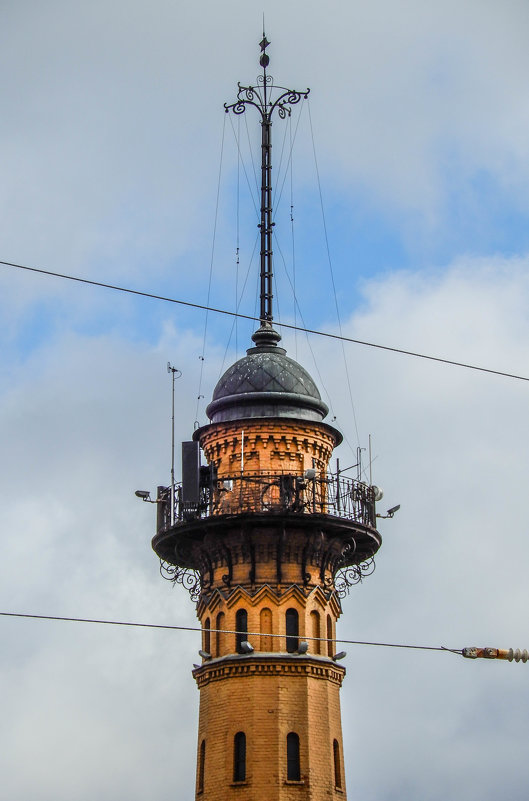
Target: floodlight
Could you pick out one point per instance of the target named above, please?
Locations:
(204, 654)
(340, 655)
(245, 647)
(393, 509)
(303, 648)
(145, 495)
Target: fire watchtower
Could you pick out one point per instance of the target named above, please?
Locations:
(267, 542)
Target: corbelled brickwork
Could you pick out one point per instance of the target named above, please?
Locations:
(270, 445)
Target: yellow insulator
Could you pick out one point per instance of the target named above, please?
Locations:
(496, 653)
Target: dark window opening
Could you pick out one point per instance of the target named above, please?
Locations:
(207, 636)
(241, 626)
(330, 644)
(239, 757)
(337, 768)
(219, 635)
(201, 765)
(292, 626)
(293, 769)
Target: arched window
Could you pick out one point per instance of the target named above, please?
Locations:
(201, 765)
(330, 644)
(337, 766)
(207, 635)
(292, 627)
(241, 626)
(239, 757)
(315, 626)
(219, 636)
(265, 619)
(293, 769)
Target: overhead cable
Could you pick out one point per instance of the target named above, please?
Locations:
(473, 652)
(222, 631)
(256, 319)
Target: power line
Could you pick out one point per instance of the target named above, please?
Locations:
(227, 631)
(508, 654)
(314, 331)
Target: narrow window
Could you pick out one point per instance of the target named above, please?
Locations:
(239, 757)
(241, 626)
(266, 628)
(201, 765)
(207, 635)
(293, 770)
(315, 624)
(219, 635)
(337, 769)
(330, 644)
(292, 626)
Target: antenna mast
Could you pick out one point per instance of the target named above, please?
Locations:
(173, 370)
(261, 97)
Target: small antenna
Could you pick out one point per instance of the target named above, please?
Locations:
(359, 462)
(172, 370)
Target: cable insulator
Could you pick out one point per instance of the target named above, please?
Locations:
(496, 653)
(518, 656)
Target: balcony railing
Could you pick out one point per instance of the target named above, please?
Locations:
(284, 493)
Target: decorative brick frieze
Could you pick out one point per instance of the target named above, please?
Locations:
(269, 665)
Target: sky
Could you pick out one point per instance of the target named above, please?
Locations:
(410, 196)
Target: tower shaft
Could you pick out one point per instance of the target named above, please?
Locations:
(281, 702)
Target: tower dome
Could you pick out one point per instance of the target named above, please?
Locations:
(266, 383)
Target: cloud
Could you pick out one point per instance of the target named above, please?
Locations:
(112, 129)
(110, 142)
(86, 423)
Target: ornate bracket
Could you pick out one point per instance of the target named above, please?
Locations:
(254, 96)
(347, 577)
(187, 577)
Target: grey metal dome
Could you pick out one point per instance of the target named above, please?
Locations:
(266, 383)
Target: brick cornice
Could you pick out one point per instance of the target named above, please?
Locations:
(272, 665)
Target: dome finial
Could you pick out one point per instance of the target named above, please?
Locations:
(266, 336)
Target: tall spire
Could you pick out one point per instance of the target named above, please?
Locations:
(262, 98)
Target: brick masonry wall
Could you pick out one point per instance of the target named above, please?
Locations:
(270, 445)
(266, 700)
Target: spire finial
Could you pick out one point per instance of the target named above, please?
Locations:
(261, 97)
(264, 61)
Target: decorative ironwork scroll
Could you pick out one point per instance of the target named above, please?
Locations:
(347, 577)
(187, 577)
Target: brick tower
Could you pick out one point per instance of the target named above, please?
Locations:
(267, 540)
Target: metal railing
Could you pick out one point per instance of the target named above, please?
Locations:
(260, 493)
